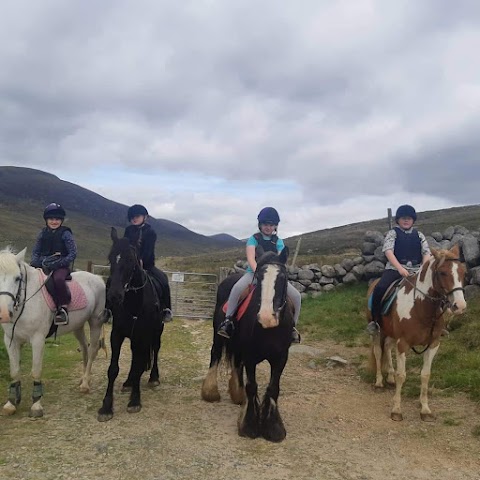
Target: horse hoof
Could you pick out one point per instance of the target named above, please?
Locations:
(9, 409)
(378, 388)
(427, 417)
(84, 389)
(248, 432)
(276, 435)
(153, 383)
(35, 413)
(126, 389)
(104, 417)
(397, 417)
(134, 409)
(211, 396)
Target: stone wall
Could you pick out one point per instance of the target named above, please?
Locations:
(316, 279)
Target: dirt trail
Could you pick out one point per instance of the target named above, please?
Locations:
(337, 427)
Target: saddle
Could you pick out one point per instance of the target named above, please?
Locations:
(388, 297)
(243, 303)
(78, 299)
(157, 288)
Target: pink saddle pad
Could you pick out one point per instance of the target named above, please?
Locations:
(79, 299)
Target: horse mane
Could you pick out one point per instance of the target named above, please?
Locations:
(266, 258)
(8, 261)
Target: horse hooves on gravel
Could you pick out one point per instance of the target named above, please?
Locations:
(126, 388)
(134, 408)
(427, 417)
(104, 417)
(397, 417)
(36, 414)
(153, 383)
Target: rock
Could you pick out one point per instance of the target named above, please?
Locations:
(368, 248)
(457, 239)
(368, 258)
(329, 288)
(475, 233)
(358, 271)
(432, 243)
(472, 291)
(239, 269)
(380, 256)
(316, 294)
(298, 286)
(445, 244)
(448, 233)
(340, 271)
(325, 281)
(460, 229)
(239, 263)
(315, 286)
(475, 275)
(374, 236)
(304, 295)
(347, 264)
(374, 269)
(328, 271)
(437, 236)
(305, 274)
(314, 267)
(350, 278)
(305, 282)
(293, 270)
(471, 250)
(336, 360)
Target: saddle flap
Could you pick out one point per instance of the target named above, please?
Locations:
(388, 297)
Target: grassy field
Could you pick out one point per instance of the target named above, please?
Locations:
(340, 317)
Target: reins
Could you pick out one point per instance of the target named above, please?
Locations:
(444, 303)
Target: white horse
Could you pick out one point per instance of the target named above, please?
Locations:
(26, 317)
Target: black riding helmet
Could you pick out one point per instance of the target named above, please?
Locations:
(406, 211)
(268, 215)
(135, 210)
(54, 210)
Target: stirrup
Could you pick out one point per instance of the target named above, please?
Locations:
(61, 317)
(167, 315)
(296, 337)
(373, 328)
(227, 328)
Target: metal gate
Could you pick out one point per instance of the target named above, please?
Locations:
(193, 294)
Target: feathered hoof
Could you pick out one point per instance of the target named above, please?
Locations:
(9, 409)
(428, 417)
(104, 417)
(379, 388)
(84, 389)
(36, 414)
(210, 391)
(396, 417)
(134, 408)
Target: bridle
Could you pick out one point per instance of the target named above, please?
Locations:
(284, 294)
(442, 300)
(128, 287)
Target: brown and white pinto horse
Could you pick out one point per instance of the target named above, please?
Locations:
(417, 318)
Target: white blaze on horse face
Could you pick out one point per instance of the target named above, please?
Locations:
(406, 301)
(266, 315)
(458, 297)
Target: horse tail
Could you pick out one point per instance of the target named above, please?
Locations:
(102, 344)
(372, 365)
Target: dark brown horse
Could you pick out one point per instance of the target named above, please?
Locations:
(263, 333)
(417, 318)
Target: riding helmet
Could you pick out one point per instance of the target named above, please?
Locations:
(135, 210)
(406, 211)
(54, 210)
(268, 215)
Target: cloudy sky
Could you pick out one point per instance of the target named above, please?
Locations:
(208, 110)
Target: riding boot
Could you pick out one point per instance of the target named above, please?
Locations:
(226, 328)
(61, 316)
(296, 338)
(167, 315)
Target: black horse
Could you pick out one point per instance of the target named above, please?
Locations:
(263, 333)
(136, 309)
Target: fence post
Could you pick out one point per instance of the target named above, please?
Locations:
(389, 213)
(90, 266)
(297, 249)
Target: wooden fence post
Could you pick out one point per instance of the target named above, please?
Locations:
(90, 266)
(389, 213)
(297, 249)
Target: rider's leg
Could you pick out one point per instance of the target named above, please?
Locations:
(385, 281)
(62, 295)
(227, 326)
(164, 295)
(296, 298)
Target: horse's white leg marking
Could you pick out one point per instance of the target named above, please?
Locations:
(428, 357)
(399, 381)
(377, 353)
(266, 314)
(210, 391)
(388, 347)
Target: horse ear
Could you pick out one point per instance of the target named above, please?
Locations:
(435, 253)
(456, 250)
(259, 251)
(20, 256)
(283, 257)
(113, 234)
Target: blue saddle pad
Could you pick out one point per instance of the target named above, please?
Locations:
(386, 303)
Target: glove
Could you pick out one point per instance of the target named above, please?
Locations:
(53, 262)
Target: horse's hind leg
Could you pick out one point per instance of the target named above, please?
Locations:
(377, 352)
(425, 413)
(154, 379)
(272, 427)
(82, 340)
(236, 387)
(210, 392)
(14, 391)
(400, 377)
(139, 361)
(248, 421)
(105, 413)
(388, 347)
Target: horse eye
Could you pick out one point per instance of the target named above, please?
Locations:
(17, 279)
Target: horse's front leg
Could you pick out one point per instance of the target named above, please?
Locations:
(400, 376)
(270, 419)
(378, 356)
(154, 379)
(248, 421)
(15, 390)
(210, 392)
(105, 413)
(38, 347)
(236, 386)
(425, 413)
(139, 361)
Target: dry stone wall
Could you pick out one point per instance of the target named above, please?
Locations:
(315, 279)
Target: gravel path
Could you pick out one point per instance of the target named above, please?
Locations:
(337, 427)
